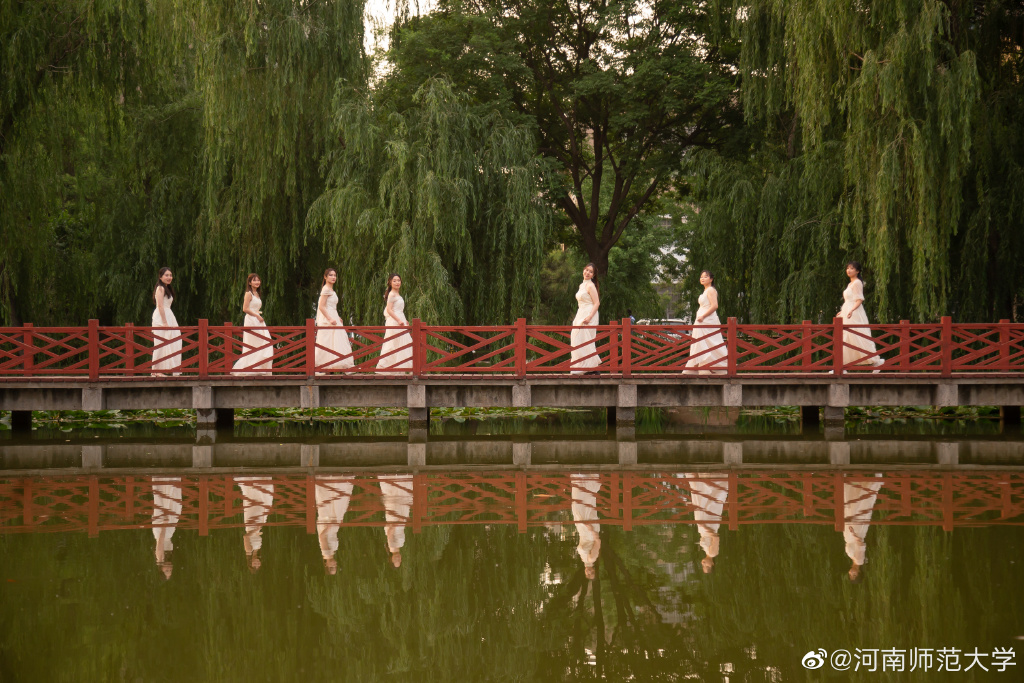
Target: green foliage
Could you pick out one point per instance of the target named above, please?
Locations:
(617, 93)
(442, 194)
(889, 135)
(135, 135)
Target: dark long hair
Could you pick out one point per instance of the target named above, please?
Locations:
(594, 277)
(168, 289)
(328, 272)
(710, 275)
(248, 284)
(856, 266)
(387, 290)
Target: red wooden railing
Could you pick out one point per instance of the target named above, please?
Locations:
(620, 349)
(97, 503)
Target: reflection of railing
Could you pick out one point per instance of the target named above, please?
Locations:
(100, 503)
(517, 350)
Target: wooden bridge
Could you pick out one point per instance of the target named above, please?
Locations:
(99, 367)
(95, 503)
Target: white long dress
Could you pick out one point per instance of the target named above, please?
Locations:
(862, 347)
(708, 493)
(585, 488)
(858, 506)
(336, 351)
(257, 347)
(585, 356)
(395, 339)
(396, 491)
(707, 352)
(168, 356)
(257, 499)
(333, 495)
(166, 513)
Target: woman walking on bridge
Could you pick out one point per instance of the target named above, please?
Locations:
(708, 351)
(257, 347)
(396, 352)
(858, 347)
(333, 350)
(584, 351)
(166, 342)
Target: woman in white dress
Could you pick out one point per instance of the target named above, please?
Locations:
(857, 349)
(166, 513)
(392, 355)
(584, 352)
(257, 347)
(858, 506)
(333, 494)
(396, 492)
(707, 352)
(166, 343)
(708, 494)
(585, 488)
(257, 499)
(333, 350)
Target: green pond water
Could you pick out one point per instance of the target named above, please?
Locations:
(490, 602)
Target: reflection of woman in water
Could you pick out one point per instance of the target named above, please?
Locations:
(166, 513)
(257, 498)
(332, 498)
(585, 488)
(858, 505)
(396, 490)
(709, 491)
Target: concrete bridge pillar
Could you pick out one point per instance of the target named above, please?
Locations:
(416, 402)
(839, 453)
(202, 456)
(309, 455)
(416, 455)
(732, 452)
(947, 453)
(522, 453)
(207, 415)
(92, 456)
(623, 413)
(625, 438)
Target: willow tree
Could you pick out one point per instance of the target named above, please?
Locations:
(67, 71)
(140, 134)
(441, 194)
(888, 132)
(617, 93)
(265, 76)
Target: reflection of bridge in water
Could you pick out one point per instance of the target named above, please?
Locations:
(98, 502)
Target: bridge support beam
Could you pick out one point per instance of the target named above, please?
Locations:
(416, 455)
(93, 399)
(309, 455)
(416, 402)
(839, 453)
(835, 423)
(92, 456)
(21, 421)
(947, 453)
(732, 453)
(522, 453)
(623, 413)
(202, 456)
